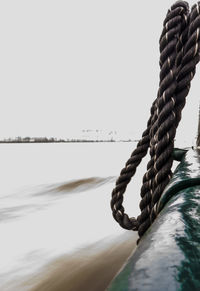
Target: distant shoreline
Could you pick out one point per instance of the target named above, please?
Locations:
(71, 141)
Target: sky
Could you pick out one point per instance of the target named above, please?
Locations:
(67, 66)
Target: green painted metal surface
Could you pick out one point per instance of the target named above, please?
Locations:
(168, 255)
(187, 174)
(178, 154)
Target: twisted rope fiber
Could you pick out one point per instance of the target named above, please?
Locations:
(164, 129)
(179, 55)
(168, 42)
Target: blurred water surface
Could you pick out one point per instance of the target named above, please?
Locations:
(57, 230)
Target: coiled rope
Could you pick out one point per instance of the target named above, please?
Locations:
(179, 55)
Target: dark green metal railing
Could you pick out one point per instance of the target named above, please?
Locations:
(168, 255)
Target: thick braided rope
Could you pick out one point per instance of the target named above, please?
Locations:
(190, 59)
(179, 54)
(125, 176)
(186, 73)
(166, 127)
(168, 43)
(169, 116)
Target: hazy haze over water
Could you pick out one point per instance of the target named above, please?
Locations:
(55, 213)
(68, 66)
(72, 65)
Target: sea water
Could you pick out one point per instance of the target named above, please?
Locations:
(56, 226)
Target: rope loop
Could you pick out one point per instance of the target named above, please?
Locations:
(179, 55)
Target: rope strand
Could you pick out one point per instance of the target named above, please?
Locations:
(179, 55)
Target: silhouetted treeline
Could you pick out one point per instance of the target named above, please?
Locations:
(54, 140)
(31, 140)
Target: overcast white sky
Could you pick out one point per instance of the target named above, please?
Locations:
(68, 65)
